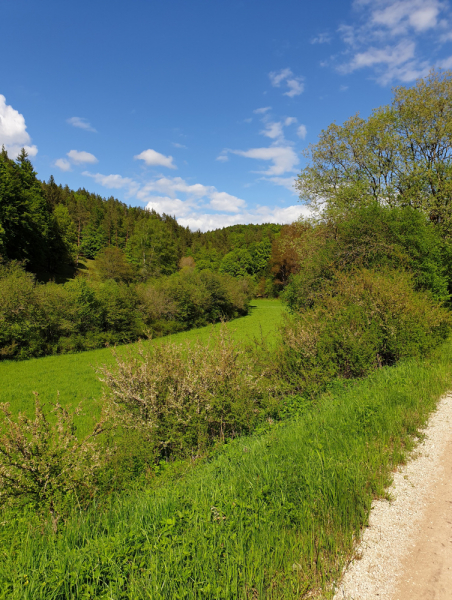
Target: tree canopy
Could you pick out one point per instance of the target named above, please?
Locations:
(400, 156)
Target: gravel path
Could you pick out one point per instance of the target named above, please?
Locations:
(406, 552)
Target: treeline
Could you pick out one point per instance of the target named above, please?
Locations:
(38, 319)
(51, 228)
(78, 271)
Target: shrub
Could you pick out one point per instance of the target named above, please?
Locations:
(43, 463)
(182, 398)
(373, 237)
(360, 321)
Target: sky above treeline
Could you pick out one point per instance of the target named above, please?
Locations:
(201, 109)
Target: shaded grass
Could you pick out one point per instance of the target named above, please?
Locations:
(273, 516)
(73, 375)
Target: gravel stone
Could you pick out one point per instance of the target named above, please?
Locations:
(393, 524)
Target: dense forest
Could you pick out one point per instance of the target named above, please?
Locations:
(78, 271)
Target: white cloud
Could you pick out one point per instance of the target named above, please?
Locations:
(385, 37)
(290, 121)
(302, 131)
(295, 84)
(166, 191)
(169, 206)
(63, 164)
(287, 182)
(13, 131)
(273, 130)
(284, 158)
(222, 158)
(81, 158)
(262, 111)
(114, 182)
(81, 124)
(322, 38)
(155, 159)
(224, 201)
(399, 16)
(76, 158)
(390, 56)
(263, 214)
(277, 77)
(177, 145)
(172, 186)
(296, 87)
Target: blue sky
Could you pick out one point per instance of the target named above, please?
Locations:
(201, 109)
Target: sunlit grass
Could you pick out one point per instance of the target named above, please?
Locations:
(271, 516)
(73, 375)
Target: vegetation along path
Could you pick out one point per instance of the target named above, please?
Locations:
(73, 376)
(406, 552)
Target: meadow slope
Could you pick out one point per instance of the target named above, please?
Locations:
(73, 376)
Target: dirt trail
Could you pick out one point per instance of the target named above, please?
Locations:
(406, 552)
(426, 571)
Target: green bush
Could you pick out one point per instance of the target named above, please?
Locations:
(192, 299)
(360, 321)
(39, 319)
(180, 399)
(372, 237)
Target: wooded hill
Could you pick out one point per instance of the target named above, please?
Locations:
(50, 227)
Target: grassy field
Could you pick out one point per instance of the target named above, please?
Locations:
(271, 516)
(73, 375)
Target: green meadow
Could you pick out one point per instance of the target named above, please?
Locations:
(73, 376)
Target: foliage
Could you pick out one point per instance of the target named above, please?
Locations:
(43, 463)
(111, 264)
(73, 375)
(270, 516)
(400, 156)
(182, 398)
(360, 321)
(28, 231)
(372, 237)
(38, 319)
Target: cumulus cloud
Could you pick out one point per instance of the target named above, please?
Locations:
(385, 38)
(81, 158)
(222, 157)
(302, 131)
(295, 84)
(13, 131)
(63, 164)
(169, 206)
(273, 130)
(263, 214)
(224, 201)
(196, 195)
(114, 182)
(284, 158)
(154, 159)
(81, 123)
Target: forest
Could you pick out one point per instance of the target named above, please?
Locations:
(79, 271)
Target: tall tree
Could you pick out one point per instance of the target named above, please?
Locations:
(400, 156)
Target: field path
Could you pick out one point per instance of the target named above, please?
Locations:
(406, 552)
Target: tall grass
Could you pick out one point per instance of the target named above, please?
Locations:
(273, 516)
